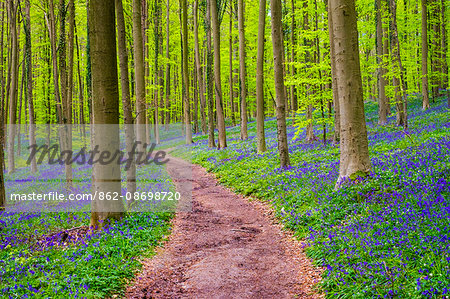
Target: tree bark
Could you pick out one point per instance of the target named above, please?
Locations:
(167, 117)
(277, 40)
(187, 113)
(354, 152)
(126, 99)
(106, 178)
(209, 76)
(337, 114)
(230, 62)
(14, 75)
(425, 99)
(382, 101)
(398, 80)
(260, 134)
(294, 106)
(222, 143)
(29, 71)
(243, 71)
(198, 65)
(139, 69)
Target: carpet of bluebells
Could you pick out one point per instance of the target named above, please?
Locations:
(37, 259)
(385, 237)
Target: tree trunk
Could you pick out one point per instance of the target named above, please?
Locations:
(106, 178)
(398, 80)
(260, 134)
(222, 143)
(28, 63)
(444, 47)
(294, 106)
(425, 99)
(187, 113)
(139, 69)
(167, 117)
(242, 68)
(126, 99)
(277, 40)
(337, 114)
(14, 69)
(382, 102)
(354, 151)
(198, 65)
(209, 76)
(230, 62)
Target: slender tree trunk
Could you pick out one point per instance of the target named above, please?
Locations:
(243, 71)
(126, 99)
(354, 150)
(158, 41)
(217, 75)
(398, 80)
(2, 159)
(260, 134)
(187, 113)
(139, 69)
(167, 118)
(230, 62)
(294, 105)
(337, 114)
(209, 76)
(12, 5)
(444, 47)
(106, 178)
(80, 84)
(382, 102)
(425, 100)
(277, 40)
(28, 64)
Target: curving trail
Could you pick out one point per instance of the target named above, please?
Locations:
(223, 246)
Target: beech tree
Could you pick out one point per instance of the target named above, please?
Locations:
(242, 73)
(222, 142)
(354, 150)
(425, 100)
(105, 93)
(139, 75)
(187, 113)
(126, 98)
(260, 134)
(278, 49)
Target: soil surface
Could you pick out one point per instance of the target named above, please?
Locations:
(223, 246)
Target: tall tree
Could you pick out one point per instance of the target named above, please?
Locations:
(243, 71)
(260, 134)
(337, 114)
(444, 47)
(425, 99)
(199, 67)
(209, 75)
(354, 150)
(139, 70)
(398, 80)
(28, 64)
(167, 116)
(230, 62)
(382, 101)
(126, 98)
(277, 40)
(294, 106)
(187, 113)
(222, 143)
(106, 178)
(14, 78)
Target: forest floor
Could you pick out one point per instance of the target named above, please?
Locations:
(226, 246)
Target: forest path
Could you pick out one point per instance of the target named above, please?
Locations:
(224, 246)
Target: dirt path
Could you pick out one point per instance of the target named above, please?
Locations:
(225, 247)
